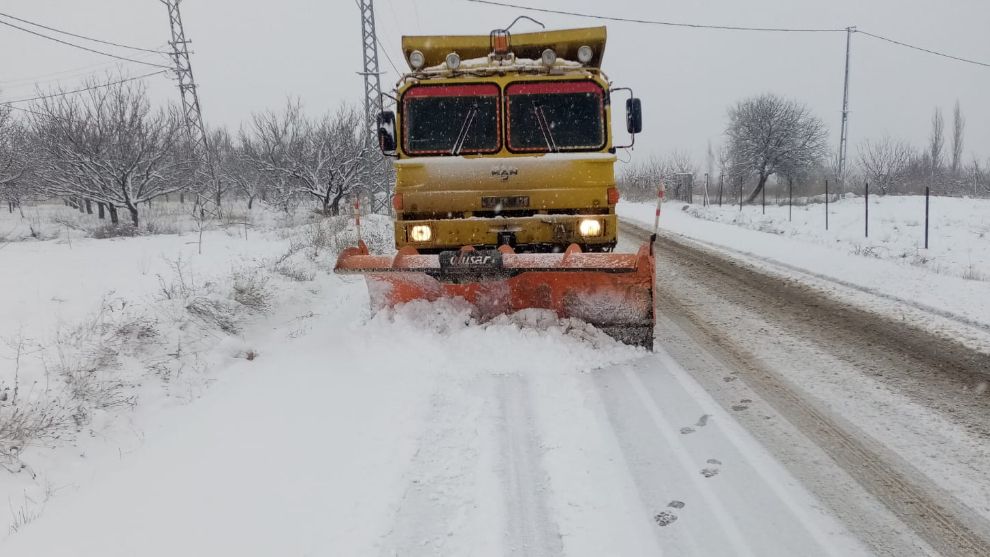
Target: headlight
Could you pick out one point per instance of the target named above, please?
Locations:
(590, 227)
(585, 54)
(416, 59)
(420, 233)
(453, 61)
(549, 57)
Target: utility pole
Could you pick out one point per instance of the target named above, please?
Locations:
(381, 190)
(844, 134)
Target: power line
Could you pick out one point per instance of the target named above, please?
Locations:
(387, 57)
(395, 17)
(660, 22)
(730, 28)
(109, 43)
(28, 110)
(74, 73)
(936, 53)
(100, 52)
(55, 76)
(84, 89)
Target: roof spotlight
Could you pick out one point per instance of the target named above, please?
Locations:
(416, 59)
(549, 57)
(585, 54)
(453, 60)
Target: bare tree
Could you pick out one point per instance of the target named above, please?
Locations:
(639, 181)
(710, 160)
(958, 133)
(261, 154)
(885, 162)
(109, 146)
(249, 180)
(724, 160)
(9, 170)
(770, 135)
(840, 175)
(936, 142)
(13, 159)
(323, 159)
(980, 175)
(214, 182)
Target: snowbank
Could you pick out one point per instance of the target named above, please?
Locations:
(951, 279)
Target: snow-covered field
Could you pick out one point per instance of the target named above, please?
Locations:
(244, 401)
(890, 271)
(98, 334)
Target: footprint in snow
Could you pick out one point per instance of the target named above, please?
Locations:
(665, 518)
(739, 407)
(712, 470)
(675, 504)
(702, 422)
(728, 379)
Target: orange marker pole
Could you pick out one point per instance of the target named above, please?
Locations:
(661, 194)
(357, 217)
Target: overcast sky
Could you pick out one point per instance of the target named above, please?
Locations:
(253, 54)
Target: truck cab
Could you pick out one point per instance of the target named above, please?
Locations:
(505, 140)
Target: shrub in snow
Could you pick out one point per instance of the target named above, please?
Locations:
(214, 312)
(295, 272)
(114, 231)
(88, 357)
(250, 289)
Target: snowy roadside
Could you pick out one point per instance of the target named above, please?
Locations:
(943, 289)
(99, 338)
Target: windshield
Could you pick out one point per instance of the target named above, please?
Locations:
(556, 116)
(451, 120)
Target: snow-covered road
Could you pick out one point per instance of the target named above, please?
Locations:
(771, 420)
(419, 433)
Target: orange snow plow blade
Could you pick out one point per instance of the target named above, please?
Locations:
(613, 292)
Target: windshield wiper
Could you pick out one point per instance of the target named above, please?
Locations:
(465, 128)
(541, 119)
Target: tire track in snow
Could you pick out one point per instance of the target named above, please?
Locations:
(476, 483)
(435, 512)
(529, 528)
(935, 515)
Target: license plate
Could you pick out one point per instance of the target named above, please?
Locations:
(512, 202)
(470, 261)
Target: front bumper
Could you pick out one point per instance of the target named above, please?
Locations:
(538, 230)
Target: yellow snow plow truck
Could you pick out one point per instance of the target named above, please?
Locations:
(505, 187)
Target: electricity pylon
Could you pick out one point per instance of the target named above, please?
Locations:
(380, 188)
(191, 111)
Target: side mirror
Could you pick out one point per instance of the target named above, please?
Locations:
(634, 116)
(386, 132)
